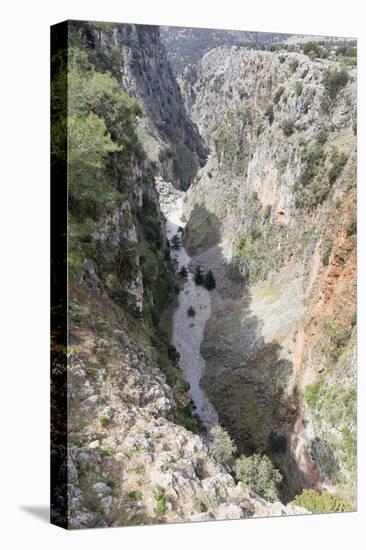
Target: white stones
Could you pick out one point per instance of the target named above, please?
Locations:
(262, 508)
(295, 510)
(108, 503)
(204, 516)
(75, 496)
(218, 484)
(84, 457)
(101, 489)
(229, 511)
(81, 519)
(92, 400)
(134, 361)
(94, 444)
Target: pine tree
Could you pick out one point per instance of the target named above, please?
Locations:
(210, 282)
(191, 312)
(175, 242)
(198, 276)
(222, 447)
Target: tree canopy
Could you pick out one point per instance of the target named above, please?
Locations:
(209, 282)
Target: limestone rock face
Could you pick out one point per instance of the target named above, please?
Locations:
(168, 134)
(269, 213)
(283, 304)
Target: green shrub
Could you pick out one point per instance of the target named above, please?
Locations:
(312, 393)
(255, 233)
(269, 114)
(267, 211)
(299, 88)
(106, 452)
(278, 94)
(111, 483)
(334, 80)
(346, 51)
(161, 504)
(259, 474)
(203, 501)
(281, 166)
(338, 160)
(351, 227)
(259, 129)
(222, 446)
(312, 196)
(311, 162)
(293, 65)
(185, 418)
(328, 245)
(134, 495)
(339, 337)
(288, 126)
(312, 49)
(322, 136)
(103, 421)
(320, 502)
(198, 506)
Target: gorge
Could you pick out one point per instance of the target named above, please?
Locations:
(247, 153)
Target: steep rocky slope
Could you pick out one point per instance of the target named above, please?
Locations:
(129, 463)
(135, 54)
(134, 455)
(273, 214)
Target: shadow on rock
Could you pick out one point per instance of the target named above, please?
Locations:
(246, 377)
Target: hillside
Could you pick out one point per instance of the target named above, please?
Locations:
(186, 46)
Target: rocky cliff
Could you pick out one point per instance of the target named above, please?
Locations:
(273, 214)
(138, 59)
(134, 452)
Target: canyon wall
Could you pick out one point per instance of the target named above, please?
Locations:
(263, 143)
(134, 453)
(273, 214)
(139, 61)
